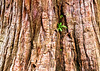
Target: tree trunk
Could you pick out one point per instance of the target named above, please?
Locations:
(30, 41)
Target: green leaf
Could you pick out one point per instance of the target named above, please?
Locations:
(60, 29)
(60, 49)
(61, 16)
(60, 23)
(64, 26)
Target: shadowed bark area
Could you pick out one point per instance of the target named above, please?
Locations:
(30, 41)
(98, 12)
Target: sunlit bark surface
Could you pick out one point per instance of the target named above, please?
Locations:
(29, 40)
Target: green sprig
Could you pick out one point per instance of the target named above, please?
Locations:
(60, 26)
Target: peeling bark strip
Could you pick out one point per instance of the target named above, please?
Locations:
(32, 42)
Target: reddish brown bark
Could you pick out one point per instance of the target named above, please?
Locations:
(31, 40)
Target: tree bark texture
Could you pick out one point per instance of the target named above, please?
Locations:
(29, 40)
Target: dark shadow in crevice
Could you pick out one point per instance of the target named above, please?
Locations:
(78, 62)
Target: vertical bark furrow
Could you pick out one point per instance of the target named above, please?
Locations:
(98, 13)
(33, 43)
(11, 40)
(94, 22)
(24, 42)
(68, 40)
(68, 54)
(88, 36)
(2, 14)
(45, 53)
(96, 30)
(78, 35)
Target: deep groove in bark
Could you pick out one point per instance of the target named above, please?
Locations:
(5, 48)
(94, 28)
(77, 61)
(97, 40)
(2, 16)
(61, 58)
(61, 40)
(84, 37)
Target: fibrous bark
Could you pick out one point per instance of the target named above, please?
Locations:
(31, 40)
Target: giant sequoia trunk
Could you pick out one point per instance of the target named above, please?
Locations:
(29, 40)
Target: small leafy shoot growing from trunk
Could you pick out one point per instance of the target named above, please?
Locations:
(61, 16)
(60, 26)
(60, 49)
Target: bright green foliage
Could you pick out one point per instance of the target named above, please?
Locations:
(60, 26)
(60, 49)
(61, 16)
